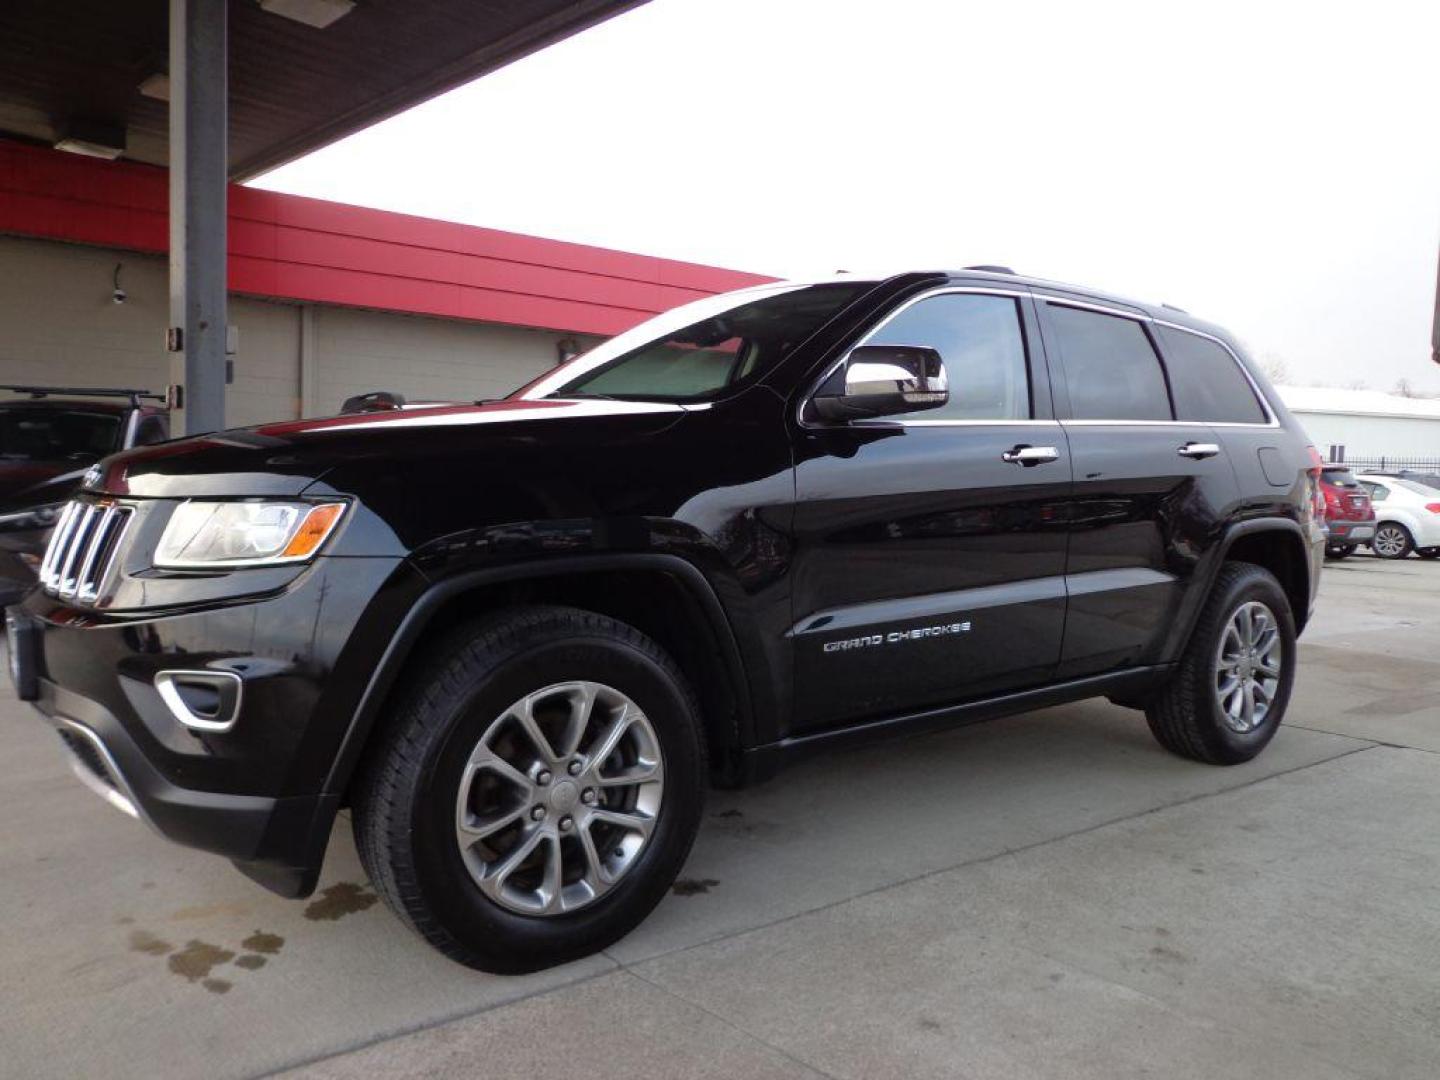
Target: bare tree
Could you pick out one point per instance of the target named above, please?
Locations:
(1404, 389)
(1275, 368)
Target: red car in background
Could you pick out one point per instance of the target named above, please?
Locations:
(1349, 514)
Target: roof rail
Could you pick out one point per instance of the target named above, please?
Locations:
(135, 396)
(1172, 307)
(990, 268)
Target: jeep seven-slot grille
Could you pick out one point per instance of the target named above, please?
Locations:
(83, 549)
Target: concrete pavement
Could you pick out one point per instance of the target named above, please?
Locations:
(1050, 895)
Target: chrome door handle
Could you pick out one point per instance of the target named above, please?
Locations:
(1030, 455)
(1198, 450)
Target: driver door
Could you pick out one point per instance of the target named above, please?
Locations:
(930, 556)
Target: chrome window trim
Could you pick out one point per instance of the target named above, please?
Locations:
(1271, 422)
(982, 290)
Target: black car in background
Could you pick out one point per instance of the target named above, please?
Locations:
(519, 637)
(48, 439)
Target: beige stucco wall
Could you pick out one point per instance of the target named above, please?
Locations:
(59, 326)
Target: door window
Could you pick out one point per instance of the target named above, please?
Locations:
(979, 336)
(1111, 369)
(1207, 382)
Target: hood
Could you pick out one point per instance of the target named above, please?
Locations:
(24, 484)
(283, 459)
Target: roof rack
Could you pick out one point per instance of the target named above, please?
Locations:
(989, 268)
(1172, 307)
(135, 396)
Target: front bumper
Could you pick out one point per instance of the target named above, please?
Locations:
(255, 791)
(279, 841)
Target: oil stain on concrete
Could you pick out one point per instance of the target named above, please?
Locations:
(693, 886)
(261, 942)
(195, 962)
(344, 898)
(142, 941)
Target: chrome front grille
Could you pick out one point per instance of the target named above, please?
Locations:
(83, 549)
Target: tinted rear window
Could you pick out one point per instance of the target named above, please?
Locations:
(1340, 478)
(1111, 369)
(1207, 382)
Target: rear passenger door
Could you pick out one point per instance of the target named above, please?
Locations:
(1151, 490)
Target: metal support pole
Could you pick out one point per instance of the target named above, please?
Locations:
(198, 126)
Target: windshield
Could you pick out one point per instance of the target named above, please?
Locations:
(31, 433)
(696, 352)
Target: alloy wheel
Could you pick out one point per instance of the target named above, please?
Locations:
(1389, 541)
(1247, 666)
(559, 798)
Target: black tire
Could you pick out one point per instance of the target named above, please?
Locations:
(404, 806)
(1428, 552)
(1340, 551)
(1185, 716)
(1406, 541)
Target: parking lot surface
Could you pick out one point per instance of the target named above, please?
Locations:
(1046, 896)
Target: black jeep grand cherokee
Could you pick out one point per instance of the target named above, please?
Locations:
(518, 637)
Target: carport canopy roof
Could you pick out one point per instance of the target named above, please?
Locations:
(78, 66)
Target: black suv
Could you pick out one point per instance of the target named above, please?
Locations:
(519, 637)
(48, 438)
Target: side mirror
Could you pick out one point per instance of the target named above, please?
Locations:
(884, 380)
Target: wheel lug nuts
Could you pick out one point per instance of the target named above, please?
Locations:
(588, 796)
(542, 777)
(565, 823)
(537, 813)
(575, 767)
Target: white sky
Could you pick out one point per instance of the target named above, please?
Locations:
(1274, 167)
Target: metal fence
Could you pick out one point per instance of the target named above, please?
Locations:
(1385, 463)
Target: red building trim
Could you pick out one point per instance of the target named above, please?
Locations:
(291, 248)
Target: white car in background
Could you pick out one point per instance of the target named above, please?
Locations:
(1407, 516)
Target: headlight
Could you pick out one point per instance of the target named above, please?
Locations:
(36, 517)
(220, 534)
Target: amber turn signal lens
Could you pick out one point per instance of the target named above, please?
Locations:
(313, 530)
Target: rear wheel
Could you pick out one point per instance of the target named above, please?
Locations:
(1428, 552)
(537, 790)
(1392, 540)
(1227, 697)
(1340, 551)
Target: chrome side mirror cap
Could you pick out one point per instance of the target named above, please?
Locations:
(884, 380)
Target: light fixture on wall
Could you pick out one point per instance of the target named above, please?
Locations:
(93, 138)
(117, 294)
(156, 86)
(566, 349)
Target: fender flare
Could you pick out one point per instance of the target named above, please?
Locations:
(1209, 567)
(423, 611)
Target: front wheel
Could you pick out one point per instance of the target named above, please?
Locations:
(1227, 697)
(1392, 541)
(1428, 552)
(1340, 551)
(536, 791)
